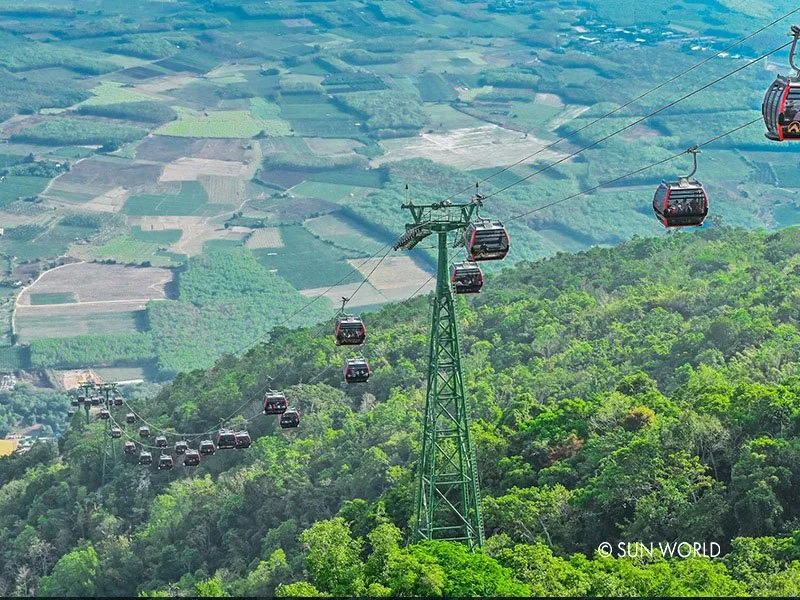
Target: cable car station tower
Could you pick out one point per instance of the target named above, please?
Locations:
(448, 497)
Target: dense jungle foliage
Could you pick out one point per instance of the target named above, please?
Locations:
(649, 392)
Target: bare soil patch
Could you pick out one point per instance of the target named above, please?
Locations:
(111, 201)
(190, 169)
(166, 148)
(491, 145)
(265, 238)
(397, 277)
(92, 282)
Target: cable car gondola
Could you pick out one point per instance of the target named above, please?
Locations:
(104, 415)
(145, 458)
(76, 401)
(486, 240)
(116, 432)
(243, 440)
(350, 330)
(356, 370)
(290, 419)
(161, 441)
(226, 439)
(781, 106)
(275, 403)
(207, 447)
(130, 418)
(181, 447)
(466, 278)
(96, 400)
(165, 462)
(129, 447)
(682, 203)
(70, 413)
(144, 431)
(119, 400)
(81, 398)
(191, 458)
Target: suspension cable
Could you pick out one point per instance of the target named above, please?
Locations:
(636, 172)
(630, 102)
(640, 120)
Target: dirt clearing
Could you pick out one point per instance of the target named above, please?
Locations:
(470, 148)
(92, 282)
(397, 277)
(366, 296)
(111, 201)
(190, 169)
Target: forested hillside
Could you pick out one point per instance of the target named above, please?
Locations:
(649, 392)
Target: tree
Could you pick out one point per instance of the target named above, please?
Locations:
(74, 575)
(333, 557)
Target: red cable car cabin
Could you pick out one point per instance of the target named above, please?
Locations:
(191, 458)
(781, 110)
(165, 462)
(207, 447)
(350, 331)
(356, 370)
(130, 418)
(226, 439)
(682, 203)
(116, 432)
(290, 419)
(243, 440)
(181, 447)
(781, 106)
(119, 400)
(144, 431)
(104, 414)
(129, 447)
(145, 458)
(275, 403)
(161, 441)
(466, 278)
(486, 240)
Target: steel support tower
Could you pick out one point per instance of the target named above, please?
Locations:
(448, 496)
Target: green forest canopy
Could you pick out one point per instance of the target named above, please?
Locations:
(646, 392)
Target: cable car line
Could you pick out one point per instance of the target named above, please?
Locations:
(640, 120)
(629, 103)
(636, 172)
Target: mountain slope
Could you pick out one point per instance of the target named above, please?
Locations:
(649, 392)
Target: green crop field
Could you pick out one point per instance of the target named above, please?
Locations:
(160, 236)
(129, 250)
(53, 298)
(333, 192)
(192, 200)
(15, 187)
(337, 229)
(70, 324)
(226, 124)
(112, 92)
(307, 262)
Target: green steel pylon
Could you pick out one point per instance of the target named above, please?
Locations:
(448, 497)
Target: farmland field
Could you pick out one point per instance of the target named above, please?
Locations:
(307, 262)
(337, 230)
(52, 298)
(192, 200)
(90, 283)
(299, 124)
(33, 324)
(224, 124)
